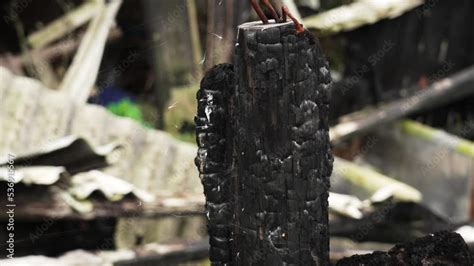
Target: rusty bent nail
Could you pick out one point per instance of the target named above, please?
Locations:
(275, 15)
(259, 11)
(283, 15)
(298, 25)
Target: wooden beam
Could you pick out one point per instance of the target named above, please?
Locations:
(359, 13)
(62, 48)
(175, 255)
(82, 74)
(372, 181)
(37, 203)
(454, 143)
(68, 46)
(441, 92)
(64, 25)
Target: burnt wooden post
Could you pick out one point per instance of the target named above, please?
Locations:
(264, 153)
(214, 157)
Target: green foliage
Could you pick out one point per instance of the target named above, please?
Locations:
(181, 110)
(127, 108)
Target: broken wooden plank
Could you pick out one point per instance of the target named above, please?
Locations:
(346, 205)
(162, 255)
(37, 60)
(67, 46)
(441, 92)
(37, 203)
(424, 164)
(65, 24)
(82, 74)
(357, 14)
(454, 143)
(37, 68)
(173, 253)
(373, 182)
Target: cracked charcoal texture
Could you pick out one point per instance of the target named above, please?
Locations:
(442, 248)
(264, 153)
(281, 148)
(214, 166)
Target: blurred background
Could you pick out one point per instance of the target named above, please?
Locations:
(97, 113)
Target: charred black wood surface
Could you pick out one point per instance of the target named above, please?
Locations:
(212, 134)
(281, 147)
(442, 248)
(264, 153)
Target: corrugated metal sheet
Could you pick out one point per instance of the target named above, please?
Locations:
(33, 117)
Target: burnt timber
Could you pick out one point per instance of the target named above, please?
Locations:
(441, 248)
(212, 127)
(264, 152)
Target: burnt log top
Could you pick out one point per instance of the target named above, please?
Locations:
(258, 25)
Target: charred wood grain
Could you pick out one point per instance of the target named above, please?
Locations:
(281, 147)
(212, 126)
(264, 153)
